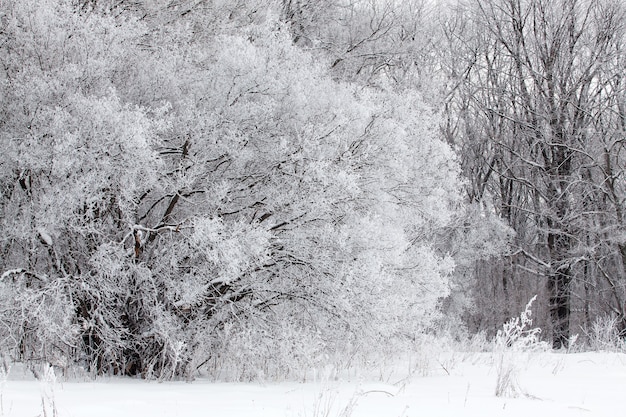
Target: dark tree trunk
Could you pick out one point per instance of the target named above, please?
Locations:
(560, 293)
(560, 248)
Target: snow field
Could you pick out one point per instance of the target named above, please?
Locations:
(583, 384)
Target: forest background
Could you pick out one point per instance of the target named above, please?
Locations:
(189, 186)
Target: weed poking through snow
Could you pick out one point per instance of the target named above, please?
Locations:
(48, 379)
(512, 345)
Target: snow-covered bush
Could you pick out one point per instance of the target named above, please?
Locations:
(604, 335)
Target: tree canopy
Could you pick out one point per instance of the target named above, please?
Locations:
(184, 188)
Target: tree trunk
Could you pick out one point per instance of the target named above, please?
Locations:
(560, 293)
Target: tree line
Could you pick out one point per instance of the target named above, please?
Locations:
(262, 186)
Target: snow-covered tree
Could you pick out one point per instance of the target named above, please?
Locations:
(181, 190)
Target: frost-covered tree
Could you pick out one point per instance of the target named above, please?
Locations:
(381, 43)
(182, 191)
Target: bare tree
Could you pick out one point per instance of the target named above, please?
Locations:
(524, 101)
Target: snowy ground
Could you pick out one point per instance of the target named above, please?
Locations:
(583, 384)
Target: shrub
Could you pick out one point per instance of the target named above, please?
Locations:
(512, 344)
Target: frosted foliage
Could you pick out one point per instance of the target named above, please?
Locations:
(229, 249)
(184, 196)
(36, 315)
(604, 335)
(518, 333)
(484, 236)
(423, 182)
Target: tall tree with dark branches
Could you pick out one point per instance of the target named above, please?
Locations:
(527, 95)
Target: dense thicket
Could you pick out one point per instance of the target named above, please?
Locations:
(185, 187)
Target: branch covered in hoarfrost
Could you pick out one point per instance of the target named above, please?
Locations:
(21, 271)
